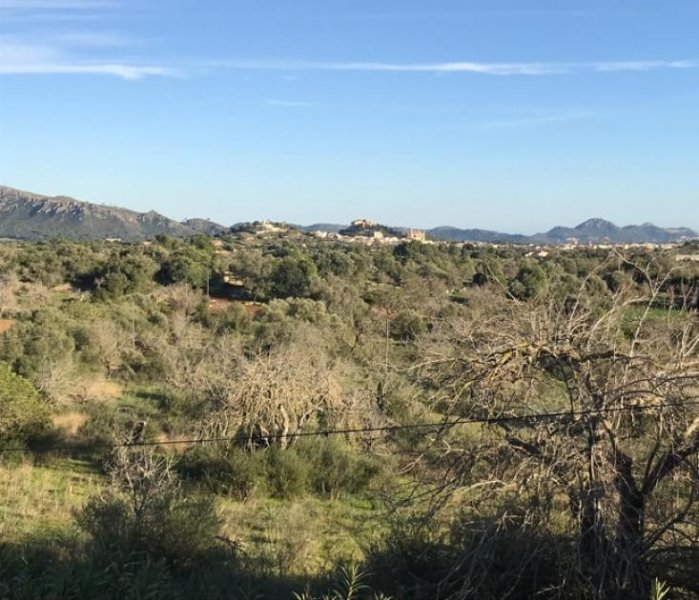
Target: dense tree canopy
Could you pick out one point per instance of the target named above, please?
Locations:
(22, 414)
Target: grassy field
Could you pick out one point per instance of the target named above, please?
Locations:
(300, 537)
(34, 498)
(303, 537)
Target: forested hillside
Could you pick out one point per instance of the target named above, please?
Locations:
(277, 416)
(27, 216)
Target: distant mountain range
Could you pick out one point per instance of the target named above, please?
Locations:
(28, 216)
(591, 231)
(599, 230)
(453, 234)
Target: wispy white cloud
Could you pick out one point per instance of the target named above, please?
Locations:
(539, 12)
(645, 65)
(92, 39)
(49, 17)
(482, 68)
(539, 119)
(18, 57)
(54, 4)
(287, 103)
(17, 51)
(124, 71)
(467, 13)
(446, 67)
(18, 12)
(48, 47)
(454, 67)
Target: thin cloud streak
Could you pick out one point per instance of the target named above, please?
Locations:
(470, 14)
(645, 65)
(456, 67)
(450, 67)
(18, 56)
(54, 4)
(51, 17)
(533, 121)
(515, 68)
(287, 103)
(92, 39)
(124, 71)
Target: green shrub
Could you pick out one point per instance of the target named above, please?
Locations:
(109, 423)
(170, 527)
(236, 473)
(293, 276)
(407, 325)
(22, 414)
(287, 473)
(529, 282)
(335, 468)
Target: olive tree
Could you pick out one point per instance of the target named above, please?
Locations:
(22, 414)
(618, 451)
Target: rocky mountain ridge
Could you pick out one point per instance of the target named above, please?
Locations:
(592, 231)
(29, 216)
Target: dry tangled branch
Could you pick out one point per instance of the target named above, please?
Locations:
(627, 375)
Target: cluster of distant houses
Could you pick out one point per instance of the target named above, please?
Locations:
(369, 232)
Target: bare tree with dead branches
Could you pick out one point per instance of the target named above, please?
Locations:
(620, 453)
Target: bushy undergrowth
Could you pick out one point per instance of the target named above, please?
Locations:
(287, 473)
(172, 527)
(235, 472)
(335, 468)
(488, 558)
(159, 548)
(278, 335)
(326, 467)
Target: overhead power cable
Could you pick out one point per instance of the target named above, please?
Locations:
(385, 429)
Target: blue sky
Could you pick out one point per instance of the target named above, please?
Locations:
(514, 115)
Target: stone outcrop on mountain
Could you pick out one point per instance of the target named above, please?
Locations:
(28, 216)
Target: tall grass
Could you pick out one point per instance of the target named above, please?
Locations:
(37, 497)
